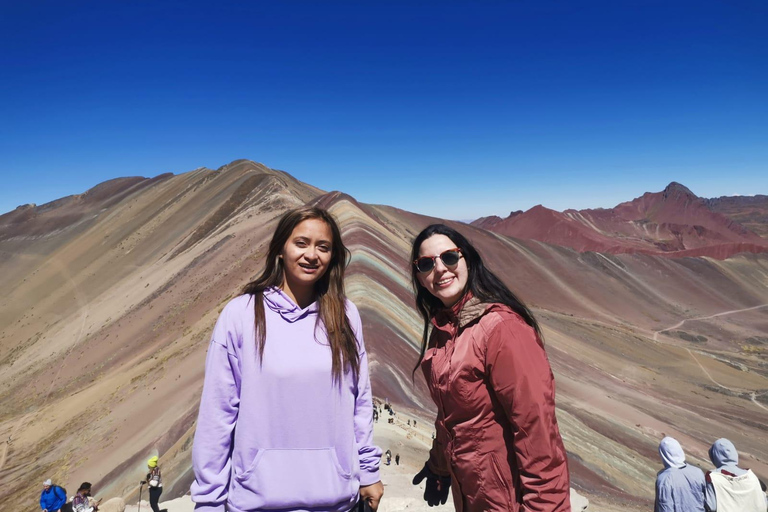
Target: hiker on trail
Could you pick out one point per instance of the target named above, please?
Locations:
(155, 484)
(288, 348)
(729, 487)
(389, 457)
(53, 497)
(397, 459)
(498, 444)
(82, 502)
(679, 486)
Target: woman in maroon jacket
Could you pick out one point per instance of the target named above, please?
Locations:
(498, 444)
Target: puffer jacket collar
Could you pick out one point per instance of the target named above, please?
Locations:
(468, 309)
(280, 303)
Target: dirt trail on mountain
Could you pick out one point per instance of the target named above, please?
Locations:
(84, 309)
(11, 433)
(753, 394)
(723, 313)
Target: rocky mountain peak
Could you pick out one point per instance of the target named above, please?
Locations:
(676, 189)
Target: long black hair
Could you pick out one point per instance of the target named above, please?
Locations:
(480, 281)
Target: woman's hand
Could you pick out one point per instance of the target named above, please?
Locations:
(372, 494)
(437, 488)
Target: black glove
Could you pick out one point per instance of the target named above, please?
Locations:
(437, 489)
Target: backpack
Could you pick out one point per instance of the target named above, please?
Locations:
(67, 506)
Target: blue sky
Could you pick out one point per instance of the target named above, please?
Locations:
(454, 109)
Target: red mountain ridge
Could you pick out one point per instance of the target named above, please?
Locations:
(674, 222)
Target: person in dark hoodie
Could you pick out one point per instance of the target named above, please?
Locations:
(679, 486)
(729, 487)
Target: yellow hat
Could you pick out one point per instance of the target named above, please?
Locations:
(152, 462)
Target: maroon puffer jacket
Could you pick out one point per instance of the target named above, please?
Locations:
(497, 435)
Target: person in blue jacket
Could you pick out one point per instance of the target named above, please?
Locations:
(52, 498)
(679, 486)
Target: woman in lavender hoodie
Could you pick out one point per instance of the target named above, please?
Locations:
(286, 418)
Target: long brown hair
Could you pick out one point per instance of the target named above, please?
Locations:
(329, 289)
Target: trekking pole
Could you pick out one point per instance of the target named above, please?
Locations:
(141, 484)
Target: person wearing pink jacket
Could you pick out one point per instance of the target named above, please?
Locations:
(498, 445)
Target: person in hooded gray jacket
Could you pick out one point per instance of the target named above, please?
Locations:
(729, 487)
(679, 486)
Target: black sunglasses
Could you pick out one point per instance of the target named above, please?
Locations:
(450, 258)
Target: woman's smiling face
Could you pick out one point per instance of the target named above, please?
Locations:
(445, 283)
(306, 254)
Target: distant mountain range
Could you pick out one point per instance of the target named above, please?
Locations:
(749, 211)
(673, 222)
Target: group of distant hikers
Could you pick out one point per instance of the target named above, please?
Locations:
(388, 455)
(681, 487)
(54, 497)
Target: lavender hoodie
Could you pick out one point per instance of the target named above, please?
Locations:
(281, 436)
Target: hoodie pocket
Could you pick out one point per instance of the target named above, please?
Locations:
(293, 479)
